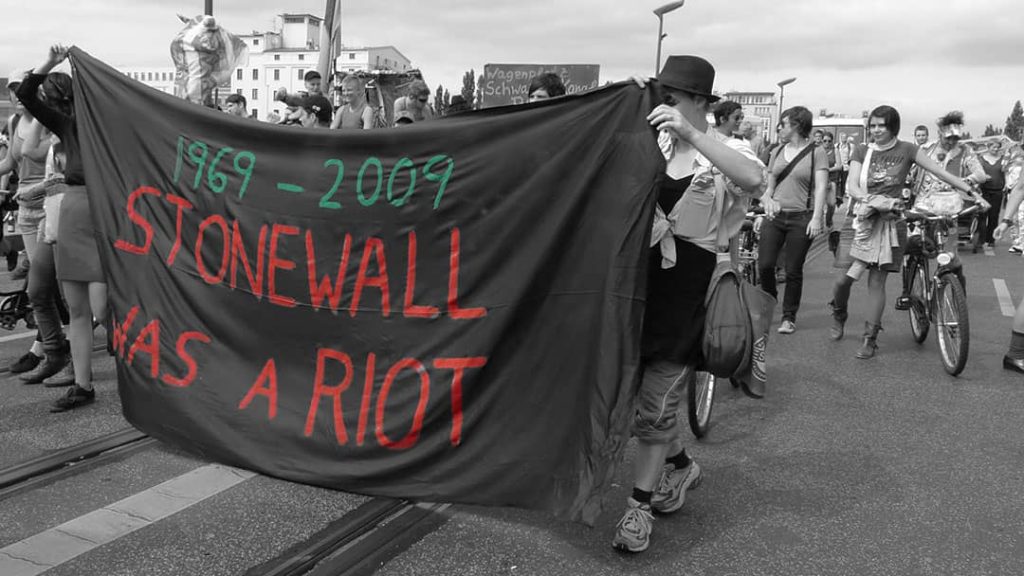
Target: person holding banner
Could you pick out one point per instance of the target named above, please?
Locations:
(702, 203)
(544, 86)
(76, 254)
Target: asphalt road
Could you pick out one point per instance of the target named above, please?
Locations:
(884, 466)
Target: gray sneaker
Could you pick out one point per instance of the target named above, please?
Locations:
(66, 377)
(671, 492)
(787, 327)
(633, 532)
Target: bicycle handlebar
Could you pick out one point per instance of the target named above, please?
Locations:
(918, 215)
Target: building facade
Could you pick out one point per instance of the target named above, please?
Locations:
(280, 59)
(758, 107)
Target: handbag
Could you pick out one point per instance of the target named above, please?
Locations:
(726, 344)
(55, 189)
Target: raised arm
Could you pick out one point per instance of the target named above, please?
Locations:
(929, 165)
(744, 172)
(50, 117)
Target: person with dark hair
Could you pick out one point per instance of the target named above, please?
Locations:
(236, 105)
(794, 207)
(682, 260)
(728, 115)
(76, 254)
(315, 111)
(877, 175)
(312, 80)
(545, 85)
(994, 189)
(415, 102)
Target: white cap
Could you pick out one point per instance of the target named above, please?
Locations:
(17, 76)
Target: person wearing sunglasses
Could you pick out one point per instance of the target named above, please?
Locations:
(416, 102)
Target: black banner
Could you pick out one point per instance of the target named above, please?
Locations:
(448, 311)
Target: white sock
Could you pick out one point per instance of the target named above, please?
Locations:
(37, 349)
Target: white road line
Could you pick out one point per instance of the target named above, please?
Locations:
(1005, 300)
(989, 251)
(18, 336)
(37, 554)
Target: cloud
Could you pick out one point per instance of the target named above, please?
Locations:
(847, 54)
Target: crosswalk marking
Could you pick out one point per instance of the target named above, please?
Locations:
(1005, 300)
(37, 554)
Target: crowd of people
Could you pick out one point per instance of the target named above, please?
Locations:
(714, 174)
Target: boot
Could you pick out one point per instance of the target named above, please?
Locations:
(870, 345)
(838, 321)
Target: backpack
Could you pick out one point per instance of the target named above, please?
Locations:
(726, 344)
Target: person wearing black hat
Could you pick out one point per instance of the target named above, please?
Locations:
(718, 176)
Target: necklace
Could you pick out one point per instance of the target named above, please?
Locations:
(889, 146)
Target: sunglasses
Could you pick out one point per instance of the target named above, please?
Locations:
(670, 99)
(423, 99)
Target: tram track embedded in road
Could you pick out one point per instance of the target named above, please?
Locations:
(359, 542)
(49, 467)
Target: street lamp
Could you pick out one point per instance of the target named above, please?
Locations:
(660, 13)
(782, 93)
(208, 8)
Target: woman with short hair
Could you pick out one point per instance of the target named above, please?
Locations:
(794, 203)
(878, 172)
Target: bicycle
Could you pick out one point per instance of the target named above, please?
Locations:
(701, 385)
(938, 298)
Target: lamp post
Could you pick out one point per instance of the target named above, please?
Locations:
(782, 93)
(660, 13)
(208, 8)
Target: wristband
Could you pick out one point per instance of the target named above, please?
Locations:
(1007, 221)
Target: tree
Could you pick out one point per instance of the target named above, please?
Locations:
(439, 104)
(991, 130)
(468, 87)
(1015, 122)
(447, 99)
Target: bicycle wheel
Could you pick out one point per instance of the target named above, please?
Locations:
(919, 322)
(951, 322)
(700, 399)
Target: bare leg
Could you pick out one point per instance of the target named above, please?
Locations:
(80, 330)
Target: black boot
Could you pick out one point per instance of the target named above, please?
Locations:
(870, 345)
(838, 321)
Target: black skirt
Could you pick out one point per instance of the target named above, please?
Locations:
(674, 316)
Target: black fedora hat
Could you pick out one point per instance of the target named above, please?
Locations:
(691, 74)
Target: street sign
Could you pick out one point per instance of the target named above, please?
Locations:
(508, 83)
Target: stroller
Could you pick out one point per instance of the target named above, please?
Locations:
(14, 304)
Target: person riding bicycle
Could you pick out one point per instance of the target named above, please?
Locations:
(933, 196)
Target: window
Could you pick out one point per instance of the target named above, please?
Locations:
(238, 74)
(277, 56)
(255, 41)
(302, 57)
(301, 73)
(277, 73)
(255, 94)
(239, 91)
(351, 55)
(254, 114)
(255, 73)
(149, 76)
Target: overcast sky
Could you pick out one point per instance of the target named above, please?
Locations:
(923, 56)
